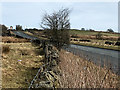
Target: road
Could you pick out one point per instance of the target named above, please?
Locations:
(22, 34)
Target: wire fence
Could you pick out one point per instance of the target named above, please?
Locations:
(37, 75)
(46, 72)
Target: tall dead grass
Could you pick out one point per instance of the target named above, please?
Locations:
(79, 73)
(20, 65)
(13, 40)
(94, 37)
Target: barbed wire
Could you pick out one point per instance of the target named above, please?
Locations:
(37, 75)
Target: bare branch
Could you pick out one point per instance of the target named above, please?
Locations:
(58, 23)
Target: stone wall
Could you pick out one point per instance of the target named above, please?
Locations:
(48, 74)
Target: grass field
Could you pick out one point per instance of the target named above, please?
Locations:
(7, 39)
(37, 34)
(97, 43)
(79, 32)
(19, 65)
(21, 61)
(91, 35)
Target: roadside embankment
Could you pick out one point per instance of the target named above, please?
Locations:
(79, 73)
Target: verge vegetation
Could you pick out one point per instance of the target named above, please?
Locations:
(80, 73)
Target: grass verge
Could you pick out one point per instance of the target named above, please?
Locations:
(110, 47)
(80, 73)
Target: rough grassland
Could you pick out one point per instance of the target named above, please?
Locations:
(79, 32)
(91, 35)
(97, 43)
(13, 39)
(20, 65)
(79, 73)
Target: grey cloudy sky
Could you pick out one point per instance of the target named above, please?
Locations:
(94, 15)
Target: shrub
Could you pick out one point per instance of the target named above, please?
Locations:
(5, 49)
(118, 38)
(74, 36)
(99, 36)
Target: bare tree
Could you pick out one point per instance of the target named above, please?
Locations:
(57, 25)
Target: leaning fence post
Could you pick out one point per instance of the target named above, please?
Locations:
(46, 52)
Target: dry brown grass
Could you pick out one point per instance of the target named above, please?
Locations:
(94, 37)
(13, 40)
(96, 43)
(20, 65)
(80, 73)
